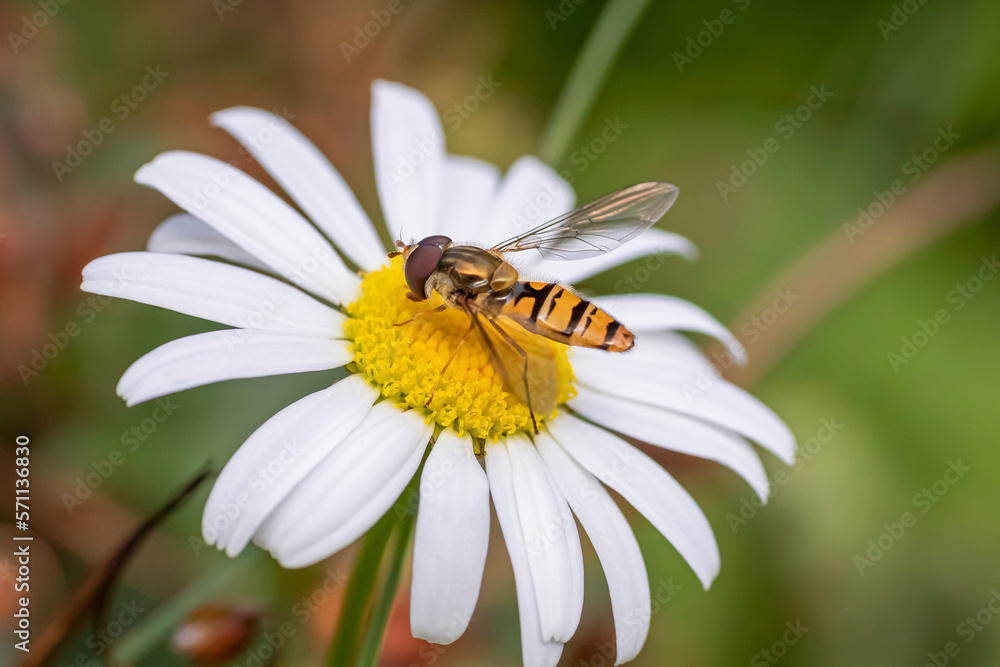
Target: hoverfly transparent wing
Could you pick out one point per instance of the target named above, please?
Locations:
(599, 226)
(535, 385)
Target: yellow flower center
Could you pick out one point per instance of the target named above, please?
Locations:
(404, 362)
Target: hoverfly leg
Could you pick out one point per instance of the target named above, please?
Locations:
(450, 359)
(419, 313)
(524, 374)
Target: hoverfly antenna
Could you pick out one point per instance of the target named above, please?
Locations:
(397, 253)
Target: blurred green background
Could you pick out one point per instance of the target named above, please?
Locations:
(894, 85)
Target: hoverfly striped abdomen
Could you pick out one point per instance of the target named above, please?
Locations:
(557, 313)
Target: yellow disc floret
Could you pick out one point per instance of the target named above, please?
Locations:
(404, 362)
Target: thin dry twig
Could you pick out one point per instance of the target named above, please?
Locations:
(90, 595)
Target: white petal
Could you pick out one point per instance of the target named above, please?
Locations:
(187, 235)
(450, 541)
(535, 651)
(653, 348)
(349, 490)
(647, 486)
(658, 312)
(226, 355)
(553, 544)
(652, 242)
(409, 153)
(305, 174)
(254, 218)
(530, 193)
(614, 543)
(277, 457)
(675, 432)
(657, 347)
(662, 384)
(469, 188)
(212, 291)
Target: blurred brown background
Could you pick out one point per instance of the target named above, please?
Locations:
(89, 92)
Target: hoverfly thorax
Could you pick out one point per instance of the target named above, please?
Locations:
(454, 271)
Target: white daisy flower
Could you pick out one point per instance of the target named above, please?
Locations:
(316, 476)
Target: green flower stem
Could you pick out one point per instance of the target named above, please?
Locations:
(372, 646)
(360, 589)
(134, 646)
(358, 640)
(591, 68)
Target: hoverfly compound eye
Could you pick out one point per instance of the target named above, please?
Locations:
(438, 240)
(422, 261)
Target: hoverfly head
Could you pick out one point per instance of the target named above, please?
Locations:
(420, 260)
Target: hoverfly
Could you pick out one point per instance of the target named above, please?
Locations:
(480, 283)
